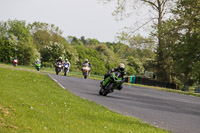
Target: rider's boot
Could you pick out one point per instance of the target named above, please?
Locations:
(104, 82)
(101, 83)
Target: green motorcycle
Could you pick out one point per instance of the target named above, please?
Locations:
(111, 83)
(37, 66)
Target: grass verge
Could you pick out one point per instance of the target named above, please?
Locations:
(50, 70)
(98, 77)
(32, 102)
(190, 92)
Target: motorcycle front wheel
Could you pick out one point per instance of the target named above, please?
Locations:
(65, 73)
(56, 71)
(105, 93)
(101, 91)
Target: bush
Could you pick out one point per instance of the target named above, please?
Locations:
(47, 64)
(131, 71)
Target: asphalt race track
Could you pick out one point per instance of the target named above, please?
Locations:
(171, 111)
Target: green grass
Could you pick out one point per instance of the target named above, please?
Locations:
(51, 70)
(98, 77)
(32, 102)
(190, 92)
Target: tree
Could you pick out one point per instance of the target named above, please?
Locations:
(48, 40)
(7, 49)
(169, 38)
(50, 28)
(181, 43)
(98, 65)
(160, 7)
(83, 40)
(51, 52)
(41, 38)
(187, 49)
(74, 41)
(16, 38)
(92, 41)
(44, 33)
(25, 50)
(137, 41)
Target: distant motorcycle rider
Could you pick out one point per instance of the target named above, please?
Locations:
(15, 61)
(37, 61)
(59, 60)
(121, 69)
(87, 63)
(66, 62)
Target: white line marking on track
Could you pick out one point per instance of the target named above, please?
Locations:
(56, 81)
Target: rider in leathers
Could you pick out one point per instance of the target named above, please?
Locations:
(67, 63)
(37, 61)
(87, 63)
(121, 69)
(58, 60)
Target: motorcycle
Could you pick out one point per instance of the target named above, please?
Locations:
(58, 67)
(86, 70)
(15, 62)
(113, 82)
(37, 66)
(65, 69)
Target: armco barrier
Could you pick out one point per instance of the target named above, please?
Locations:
(150, 82)
(131, 79)
(197, 90)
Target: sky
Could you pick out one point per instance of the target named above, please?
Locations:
(77, 18)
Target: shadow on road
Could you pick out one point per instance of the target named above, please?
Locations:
(108, 96)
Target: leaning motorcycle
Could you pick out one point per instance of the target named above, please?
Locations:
(15, 62)
(37, 66)
(113, 81)
(86, 70)
(58, 67)
(65, 69)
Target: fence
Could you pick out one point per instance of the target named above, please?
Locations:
(197, 90)
(150, 82)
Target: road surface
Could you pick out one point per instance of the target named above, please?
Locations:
(170, 111)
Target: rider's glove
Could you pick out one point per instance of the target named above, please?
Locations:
(124, 73)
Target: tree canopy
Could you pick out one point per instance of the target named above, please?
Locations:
(174, 55)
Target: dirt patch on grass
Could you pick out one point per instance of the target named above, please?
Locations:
(4, 116)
